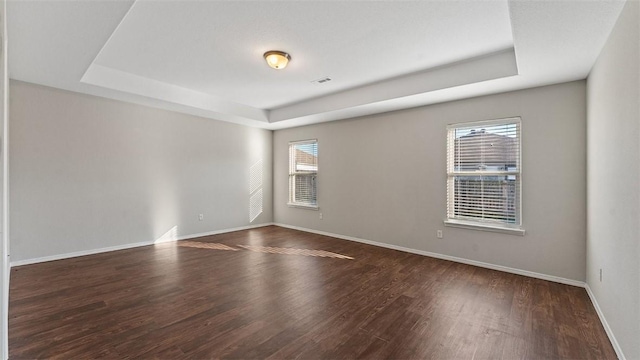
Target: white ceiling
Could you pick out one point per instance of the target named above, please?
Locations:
(205, 58)
(216, 47)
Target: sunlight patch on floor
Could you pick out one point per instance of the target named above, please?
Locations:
(204, 245)
(263, 249)
(292, 251)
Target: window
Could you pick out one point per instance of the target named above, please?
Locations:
(303, 171)
(483, 170)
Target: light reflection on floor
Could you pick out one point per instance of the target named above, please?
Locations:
(263, 249)
(292, 251)
(205, 245)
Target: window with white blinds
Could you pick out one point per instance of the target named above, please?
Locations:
(303, 171)
(483, 169)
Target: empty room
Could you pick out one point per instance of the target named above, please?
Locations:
(320, 179)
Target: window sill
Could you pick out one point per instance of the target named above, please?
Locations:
(303, 206)
(484, 227)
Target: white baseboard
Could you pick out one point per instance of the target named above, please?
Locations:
(215, 232)
(605, 324)
(130, 245)
(444, 257)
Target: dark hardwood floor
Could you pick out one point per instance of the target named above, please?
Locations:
(279, 293)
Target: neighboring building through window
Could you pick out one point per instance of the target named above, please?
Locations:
(303, 171)
(483, 169)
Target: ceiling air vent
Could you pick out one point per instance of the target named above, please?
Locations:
(323, 80)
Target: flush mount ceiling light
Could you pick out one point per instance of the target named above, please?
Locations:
(277, 59)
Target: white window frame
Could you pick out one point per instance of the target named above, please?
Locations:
(292, 173)
(483, 224)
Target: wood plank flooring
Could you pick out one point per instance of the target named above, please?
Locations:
(283, 294)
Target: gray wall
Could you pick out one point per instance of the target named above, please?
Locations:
(383, 178)
(89, 173)
(613, 232)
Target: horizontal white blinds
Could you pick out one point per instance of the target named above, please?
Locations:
(483, 168)
(303, 170)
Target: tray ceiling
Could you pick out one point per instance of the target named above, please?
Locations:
(205, 58)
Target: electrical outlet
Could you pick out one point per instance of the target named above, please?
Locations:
(320, 216)
(600, 275)
(439, 234)
(201, 217)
